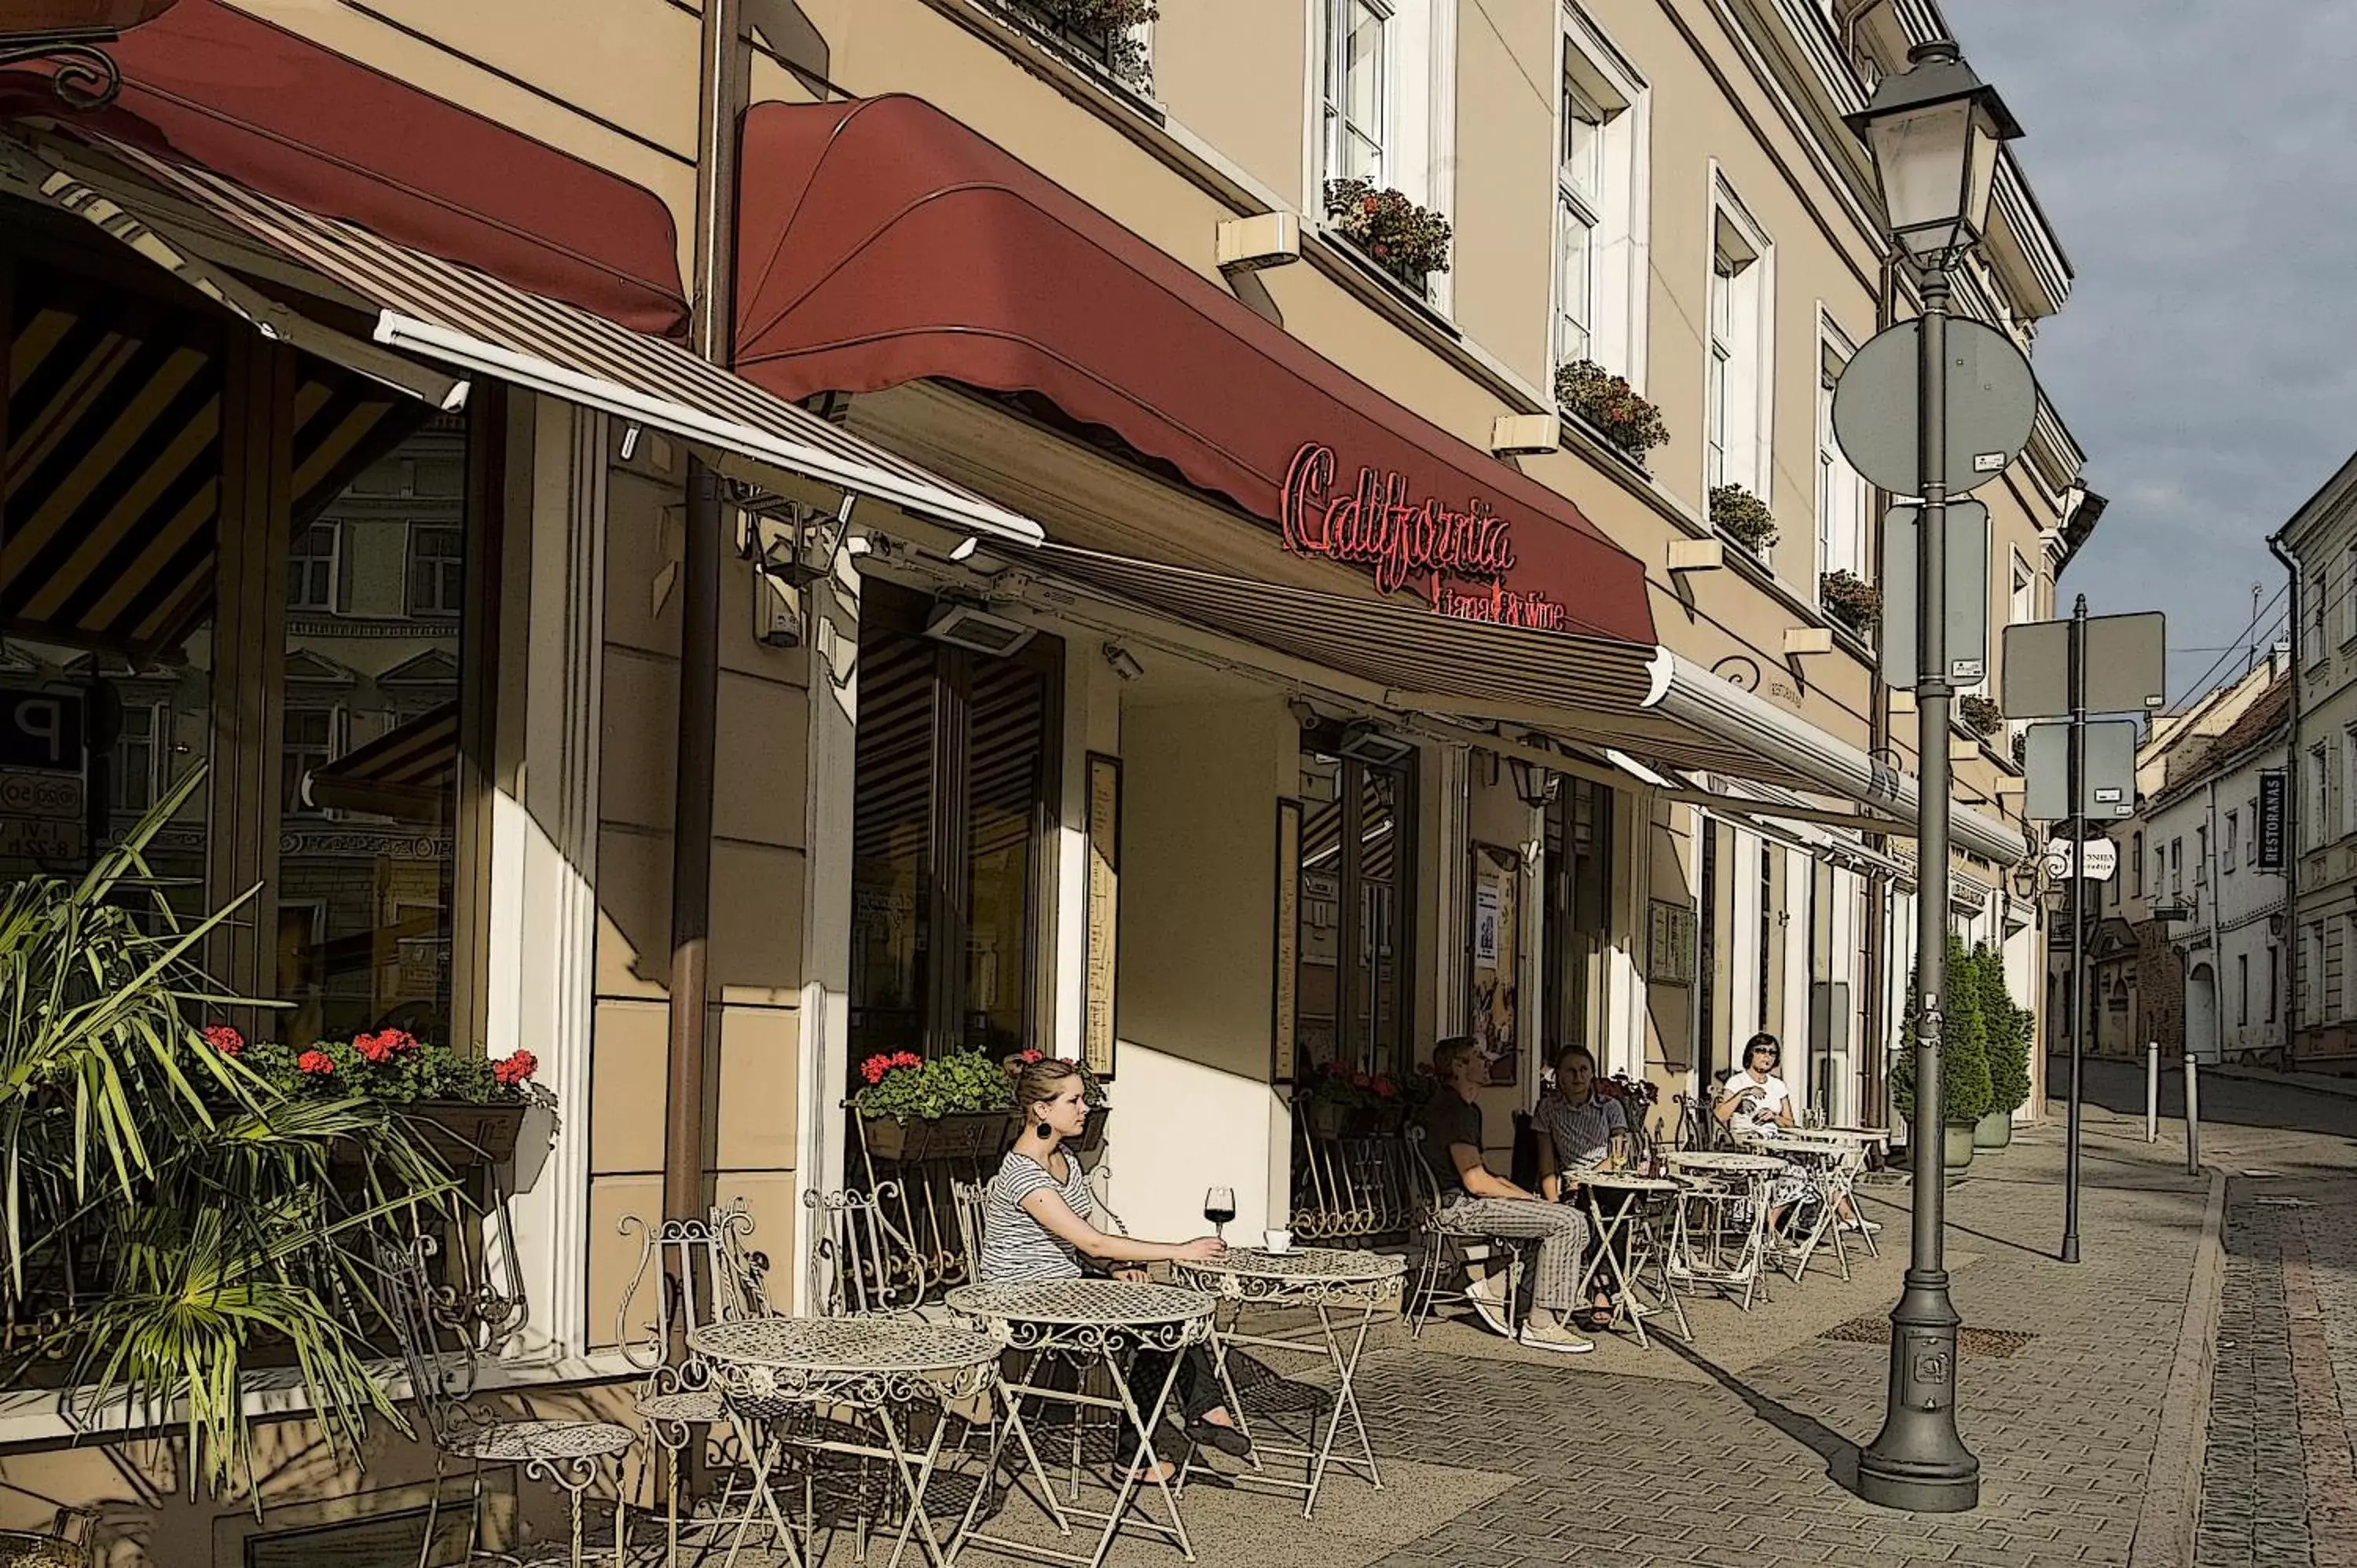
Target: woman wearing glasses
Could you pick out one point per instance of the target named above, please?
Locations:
(1754, 1104)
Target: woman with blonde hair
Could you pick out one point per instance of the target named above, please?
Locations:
(1039, 1223)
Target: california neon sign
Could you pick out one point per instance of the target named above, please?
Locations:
(1419, 543)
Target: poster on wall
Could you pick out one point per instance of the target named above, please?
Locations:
(1285, 1043)
(1497, 873)
(1670, 944)
(1104, 889)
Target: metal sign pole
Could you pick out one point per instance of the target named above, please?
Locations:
(1919, 1461)
(2077, 785)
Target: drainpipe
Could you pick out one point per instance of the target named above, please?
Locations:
(720, 105)
(2292, 815)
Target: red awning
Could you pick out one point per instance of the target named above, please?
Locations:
(207, 85)
(881, 242)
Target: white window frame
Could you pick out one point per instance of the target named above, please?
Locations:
(1415, 98)
(2320, 798)
(2349, 594)
(2347, 781)
(1334, 123)
(2230, 842)
(413, 606)
(1844, 500)
(1739, 347)
(1614, 207)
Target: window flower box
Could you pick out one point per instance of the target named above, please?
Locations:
(1744, 518)
(1407, 241)
(953, 1108)
(1981, 714)
(1610, 406)
(1103, 32)
(1850, 600)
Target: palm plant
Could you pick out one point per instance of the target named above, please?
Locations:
(183, 1204)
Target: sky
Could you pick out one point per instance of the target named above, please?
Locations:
(2193, 157)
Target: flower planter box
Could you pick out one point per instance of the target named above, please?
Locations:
(1321, 1118)
(972, 1135)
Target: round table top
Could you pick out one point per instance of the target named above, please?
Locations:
(1112, 1303)
(1626, 1181)
(1855, 1135)
(885, 1345)
(1321, 1265)
(1726, 1161)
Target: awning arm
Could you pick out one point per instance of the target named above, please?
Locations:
(72, 187)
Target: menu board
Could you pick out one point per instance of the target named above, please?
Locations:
(1105, 902)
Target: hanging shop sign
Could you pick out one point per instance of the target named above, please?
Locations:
(1456, 557)
(2275, 793)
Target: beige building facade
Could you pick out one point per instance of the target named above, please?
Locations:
(1055, 709)
(2319, 544)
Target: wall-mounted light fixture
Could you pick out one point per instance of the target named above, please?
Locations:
(1124, 663)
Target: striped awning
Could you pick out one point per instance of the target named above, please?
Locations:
(454, 315)
(409, 772)
(112, 460)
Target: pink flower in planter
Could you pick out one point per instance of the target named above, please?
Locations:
(315, 1062)
(224, 1039)
(512, 1070)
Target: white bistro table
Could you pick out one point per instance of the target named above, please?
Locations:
(1090, 1324)
(1731, 1192)
(1346, 1290)
(1619, 1207)
(771, 1369)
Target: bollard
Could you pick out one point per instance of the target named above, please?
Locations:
(2152, 1091)
(2192, 1118)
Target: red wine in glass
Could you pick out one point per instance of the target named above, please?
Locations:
(1219, 1208)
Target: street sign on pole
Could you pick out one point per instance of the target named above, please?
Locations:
(2102, 855)
(1992, 401)
(1968, 594)
(2108, 791)
(2125, 666)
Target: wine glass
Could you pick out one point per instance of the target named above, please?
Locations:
(1218, 1208)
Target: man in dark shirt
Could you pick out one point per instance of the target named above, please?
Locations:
(1475, 1201)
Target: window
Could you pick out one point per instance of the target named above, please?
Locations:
(2231, 840)
(437, 571)
(2177, 865)
(2319, 588)
(1357, 90)
(2348, 597)
(1580, 201)
(135, 779)
(310, 745)
(2201, 856)
(1842, 495)
(2136, 861)
(2349, 780)
(2320, 798)
(312, 573)
(1601, 275)
(1734, 380)
(2274, 973)
(1356, 909)
(2311, 971)
(2242, 988)
(2021, 606)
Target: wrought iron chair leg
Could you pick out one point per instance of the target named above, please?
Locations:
(433, 1509)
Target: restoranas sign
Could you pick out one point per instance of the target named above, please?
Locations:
(1457, 557)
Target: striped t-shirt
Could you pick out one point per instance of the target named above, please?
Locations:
(1582, 1134)
(1016, 1248)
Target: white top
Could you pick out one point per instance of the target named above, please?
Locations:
(1768, 1100)
(1015, 1247)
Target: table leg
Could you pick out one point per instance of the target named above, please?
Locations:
(763, 1496)
(1346, 1401)
(1624, 1298)
(914, 1484)
(1145, 1460)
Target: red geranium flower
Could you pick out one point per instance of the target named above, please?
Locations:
(1030, 1054)
(511, 1071)
(1385, 1087)
(224, 1039)
(316, 1061)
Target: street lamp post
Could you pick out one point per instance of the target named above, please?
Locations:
(1934, 131)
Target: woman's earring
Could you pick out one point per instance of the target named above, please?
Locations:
(1044, 1129)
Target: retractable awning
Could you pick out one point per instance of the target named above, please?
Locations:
(454, 315)
(408, 772)
(1595, 693)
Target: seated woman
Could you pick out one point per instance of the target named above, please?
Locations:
(1755, 1103)
(1579, 1130)
(1036, 1225)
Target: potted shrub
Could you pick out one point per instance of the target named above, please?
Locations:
(1610, 406)
(2009, 1029)
(1964, 1060)
(1409, 242)
(1850, 600)
(1980, 714)
(467, 1109)
(1742, 516)
(1104, 29)
(954, 1107)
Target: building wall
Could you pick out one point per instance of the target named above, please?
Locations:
(2322, 536)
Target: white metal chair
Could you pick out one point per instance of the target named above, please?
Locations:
(570, 1455)
(861, 1263)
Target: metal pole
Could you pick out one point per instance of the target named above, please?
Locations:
(2152, 1091)
(2077, 783)
(1918, 1462)
(2192, 1115)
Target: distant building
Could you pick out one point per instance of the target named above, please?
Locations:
(2321, 541)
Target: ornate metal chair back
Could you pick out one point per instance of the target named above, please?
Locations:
(436, 1352)
(692, 1274)
(861, 1262)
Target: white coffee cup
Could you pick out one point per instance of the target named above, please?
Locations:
(1277, 1240)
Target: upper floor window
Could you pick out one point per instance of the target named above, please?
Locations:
(1600, 282)
(2136, 861)
(314, 739)
(312, 569)
(437, 570)
(2320, 798)
(2232, 842)
(2349, 593)
(1580, 191)
(1735, 384)
(2319, 599)
(2177, 865)
(1357, 90)
(2201, 856)
(1843, 501)
(139, 751)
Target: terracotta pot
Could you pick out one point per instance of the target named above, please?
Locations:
(1994, 1130)
(1959, 1152)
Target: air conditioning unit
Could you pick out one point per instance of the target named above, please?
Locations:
(1366, 742)
(966, 625)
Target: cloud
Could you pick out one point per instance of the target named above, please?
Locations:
(2192, 158)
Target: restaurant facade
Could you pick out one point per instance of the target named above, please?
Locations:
(1149, 629)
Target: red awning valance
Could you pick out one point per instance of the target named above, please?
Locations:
(881, 242)
(207, 85)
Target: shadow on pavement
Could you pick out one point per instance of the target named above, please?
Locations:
(1839, 1453)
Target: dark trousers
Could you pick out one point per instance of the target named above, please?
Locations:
(1195, 1395)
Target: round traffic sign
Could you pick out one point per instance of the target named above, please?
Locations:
(1992, 403)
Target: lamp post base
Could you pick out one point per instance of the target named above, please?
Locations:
(1918, 1462)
